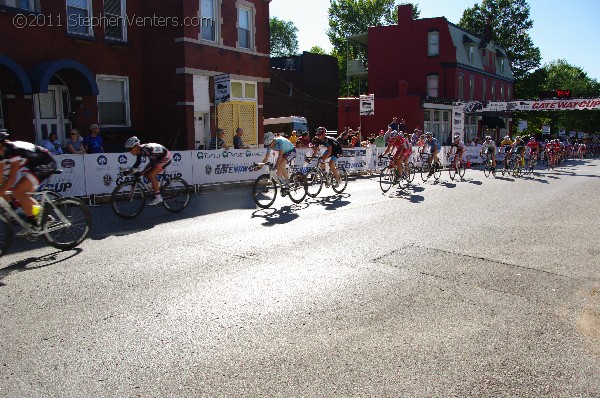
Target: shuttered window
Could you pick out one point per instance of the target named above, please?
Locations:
(114, 13)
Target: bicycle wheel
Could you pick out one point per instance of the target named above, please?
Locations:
(64, 236)
(128, 199)
(175, 194)
(297, 187)
(437, 170)
(6, 234)
(412, 171)
(487, 170)
(264, 191)
(452, 171)
(386, 179)
(425, 172)
(339, 188)
(49, 194)
(461, 169)
(314, 182)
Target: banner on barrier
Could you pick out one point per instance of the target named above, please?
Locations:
(71, 182)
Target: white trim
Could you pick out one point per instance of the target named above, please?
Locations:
(444, 107)
(124, 79)
(430, 35)
(123, 18)
(90, 31)
(210, 73)
(211, 44)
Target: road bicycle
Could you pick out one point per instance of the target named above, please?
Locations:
(488, 166)
(128, 199)
(509, 163)
(457, 166)
(316, 177)
(517, 166)
(64, 222)
(264, 189)
(531, 163)
(430, 169)
(389, 177)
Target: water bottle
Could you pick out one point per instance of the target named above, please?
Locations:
(35, 210)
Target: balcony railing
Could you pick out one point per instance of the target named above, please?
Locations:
(358, 68)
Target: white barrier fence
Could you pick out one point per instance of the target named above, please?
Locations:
(85, 175)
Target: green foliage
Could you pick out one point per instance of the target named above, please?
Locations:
(510, 25)
(317, 50)
(283, 39)
(351, 17)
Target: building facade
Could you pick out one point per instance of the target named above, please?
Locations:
(134, 67)
(417, 68)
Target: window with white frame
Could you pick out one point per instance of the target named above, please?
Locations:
(432, 85)
(243, 90)
(433, 43)
(461, 86)
(471, 52)
(114, 11)
(483, 89)
(470, 128)
(438, 122)
(245, 22)
(508, 97)
(113, 101)
(471, 87)
(27, 5)
(493, 91)
(78, 17)
(208, 20)
(502, 92)
(502, 63)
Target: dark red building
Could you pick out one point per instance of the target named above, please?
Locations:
(417, 68)
(134, 67)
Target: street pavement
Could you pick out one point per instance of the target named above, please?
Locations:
(477, 288)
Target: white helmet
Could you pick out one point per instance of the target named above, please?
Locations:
(132, 142)
(268, 138)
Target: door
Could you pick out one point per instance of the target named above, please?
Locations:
(200, 127)
(51, 112)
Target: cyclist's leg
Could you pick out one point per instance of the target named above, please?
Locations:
(27, 183)
(333, 167)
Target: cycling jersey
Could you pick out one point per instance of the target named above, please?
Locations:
(35, 160)
(282, 144)
(459, 147)
(488, 147)
(518, 147)
(336, 148)
(534, 145)
(155, 153)
(433, 144)
(506, 144)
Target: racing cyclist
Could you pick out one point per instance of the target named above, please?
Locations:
(534, 148)
(518, 148)
(286, 152)
(460, 148)
(401, 148)
(434, 147)
(333, 152)
(507, 144)
(489, 148)
(158, 157)
(36, 163)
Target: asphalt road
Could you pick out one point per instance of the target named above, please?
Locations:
(483, 288)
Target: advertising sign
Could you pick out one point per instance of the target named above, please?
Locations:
(367, 104)
(522, 125)
(222, 88)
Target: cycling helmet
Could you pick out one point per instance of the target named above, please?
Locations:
(532, 139)
(132, 142)
(429, 134)
(488, 138)
(394, 134)
(3, 135)
(456, 137)
(507, 137)
(268, 138)
(321, 130)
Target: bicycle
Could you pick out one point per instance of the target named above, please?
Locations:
(264, 189)
(509, 161)
(430, 169)
(531, 163)
(128, 199)
(517, 170)
(457, 166)
(316, 177)
(64, 222)
(488, 166)
(389, 177)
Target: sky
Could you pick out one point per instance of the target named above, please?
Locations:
(562, 29)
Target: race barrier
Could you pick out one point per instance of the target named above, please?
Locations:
(99, 174)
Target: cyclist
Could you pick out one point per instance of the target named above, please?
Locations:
(286, 153)
(333, 152)
(37, 165)
(518, 148)
(434, 147)
(489, 148)
(401, 151)
(534, 148)
(459, 145)
(506, 144)
(158, 157)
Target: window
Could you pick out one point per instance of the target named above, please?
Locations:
(114, 11)
(461, 86)
(27, 5)
(437, 122)
(433, 43)
(432, 85)
(113, 100)
(484, 56)
(502, 92)
(508, 97)
(472, 87)
(78, 17)
(502, 63)
(484, 89)
(244, 27)
(471, 52)
(493, 91)
(243, 90)
(208, 19)
(470, 127)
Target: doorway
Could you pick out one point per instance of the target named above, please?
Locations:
(51, 112)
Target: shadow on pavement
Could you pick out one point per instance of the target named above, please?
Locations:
(31, 263)
(278, 216)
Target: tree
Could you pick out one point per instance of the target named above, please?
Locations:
(510, 25)
(317, 50)
(283, 39)
(351, 17)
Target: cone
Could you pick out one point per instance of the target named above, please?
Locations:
(468, 164)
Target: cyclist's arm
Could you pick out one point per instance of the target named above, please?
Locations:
(327, 153)
(280, 158)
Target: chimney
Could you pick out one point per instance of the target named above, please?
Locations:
(487, 31)
(405, 13)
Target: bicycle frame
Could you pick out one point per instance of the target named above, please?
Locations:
(12, 215)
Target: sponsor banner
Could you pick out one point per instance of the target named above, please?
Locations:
(458, 119)
(522, 125)
(209, 167)
(71, 182)
(222, 88)
(540, 105)
(545, 129)
(367, 104)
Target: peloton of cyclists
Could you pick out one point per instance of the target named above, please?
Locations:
(158, 157)
(37, 165)
(400, 148)
(286, 152)
(489, 148)
(333, 151)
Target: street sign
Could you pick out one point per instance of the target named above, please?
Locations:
(367, 104)
(545, 129)
(222, 88)
(522, 125)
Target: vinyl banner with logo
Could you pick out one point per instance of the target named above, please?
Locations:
(71, 182)
(210, 167)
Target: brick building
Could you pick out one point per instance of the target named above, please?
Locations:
(134, 67)
(417, 68)
(304, 85)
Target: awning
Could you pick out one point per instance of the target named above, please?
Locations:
(468, 40)
(42, 73)
(500, 54)
(492, 122)
(17, 72)
(360, 38)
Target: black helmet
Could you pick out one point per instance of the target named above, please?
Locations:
(321, 130)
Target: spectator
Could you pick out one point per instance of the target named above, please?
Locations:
(293, 138)
(344, 139)
(421, 141)
(355, 140)
(415, 137)
(238, 143)
(217, 142)
(394, 124)
(304, 140)
(402, 125)
(52, 144)
(386, 136)
(74, 145)
(379, 140)
(93, 142)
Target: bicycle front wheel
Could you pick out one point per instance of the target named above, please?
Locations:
(128, 199)
(264, 191)
(411, 172)
(437, 171)
(452, 171)
(6, 234)
(425, 170)
(461, 169)
(314, 182)
(341, 186)
(487, 169)
(386, 179)
(297, 187)
(60, 234)
(175, 194)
